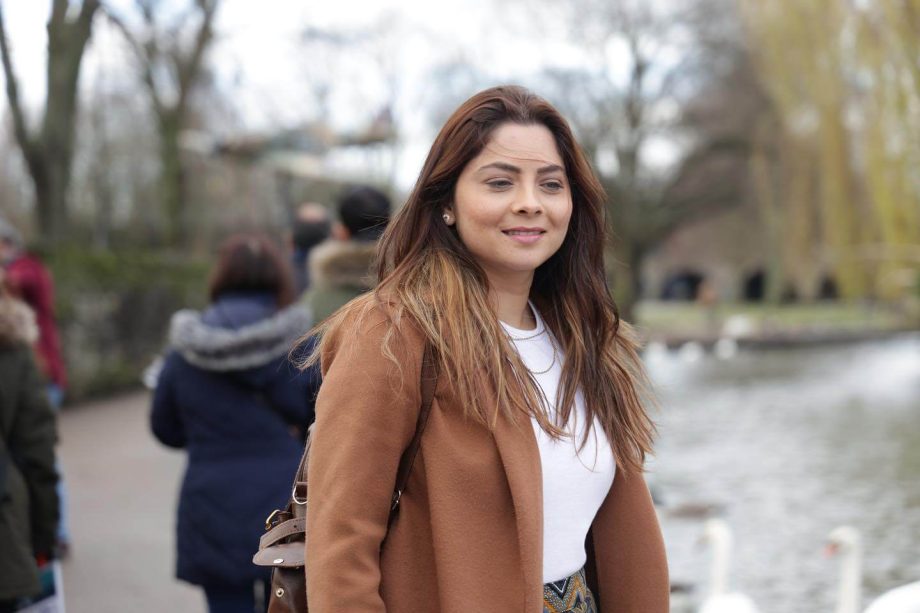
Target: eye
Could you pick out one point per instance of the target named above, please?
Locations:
(499, 184)
(553, 185)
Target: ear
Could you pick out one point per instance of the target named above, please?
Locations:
(448, 216)
(340, 232)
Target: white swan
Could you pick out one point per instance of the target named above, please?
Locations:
(904, 599)
(847, 542)
(691, 351)
(717, 533)
(725, 348)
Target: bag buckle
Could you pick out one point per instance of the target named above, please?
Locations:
(295, 498)
(270, 520)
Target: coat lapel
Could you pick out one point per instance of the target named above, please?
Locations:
(520, 456)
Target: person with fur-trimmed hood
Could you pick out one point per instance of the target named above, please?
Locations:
(229, 395)
(28, 502)
(340, 268)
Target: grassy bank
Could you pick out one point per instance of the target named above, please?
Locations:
(662, 320)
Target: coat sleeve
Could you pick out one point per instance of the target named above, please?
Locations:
(366, 413)
(32, 446)
(632, 568)
(294, 394)
(165, 417)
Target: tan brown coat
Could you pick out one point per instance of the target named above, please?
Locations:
(468, 536)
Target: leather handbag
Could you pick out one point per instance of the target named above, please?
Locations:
(283, 546)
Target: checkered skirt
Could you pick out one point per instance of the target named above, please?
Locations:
(569, 595)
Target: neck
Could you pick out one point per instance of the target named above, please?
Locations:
(718, 570)
(510, 300)
(848, 593)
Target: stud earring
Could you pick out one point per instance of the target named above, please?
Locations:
(447, 218)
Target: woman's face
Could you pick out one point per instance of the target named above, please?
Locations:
(512, 203)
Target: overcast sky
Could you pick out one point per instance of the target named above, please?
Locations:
(260, 46)
(263, 66)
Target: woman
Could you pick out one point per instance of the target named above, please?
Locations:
(228, 394)
(28, 502)
(496, 262)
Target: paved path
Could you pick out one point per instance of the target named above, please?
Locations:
(123, 488)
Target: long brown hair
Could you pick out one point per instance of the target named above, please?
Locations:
(427, 274)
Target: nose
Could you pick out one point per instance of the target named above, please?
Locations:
(528, 202)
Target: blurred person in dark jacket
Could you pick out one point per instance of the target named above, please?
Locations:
(341, 268)
(311, 227)
(28, 502)
(28, 279)
(229, 395)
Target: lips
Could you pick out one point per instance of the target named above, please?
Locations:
(524, 231)
(524, 236)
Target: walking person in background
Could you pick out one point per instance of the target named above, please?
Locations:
(228, 394)
(341, 268)
(311, 227)
(28, 279)
(28, 502)
(527, 493)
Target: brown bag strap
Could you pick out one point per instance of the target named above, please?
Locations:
(281, 531)
(428, 382)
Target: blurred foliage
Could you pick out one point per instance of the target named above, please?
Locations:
(114, 310)
(95, 270)
(836, 163)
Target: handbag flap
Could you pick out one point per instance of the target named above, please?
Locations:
(287, 555)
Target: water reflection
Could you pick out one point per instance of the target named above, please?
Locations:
(793, 443)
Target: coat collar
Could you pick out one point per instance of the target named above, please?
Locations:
(337, 264)
(17, 322)
(222, 349)
(517, 446)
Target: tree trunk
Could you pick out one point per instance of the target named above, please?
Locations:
(625, 281)
(49, 154)
(172, 179)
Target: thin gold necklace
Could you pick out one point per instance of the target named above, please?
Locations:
(551, 364)
(540, 332)
(528, 338)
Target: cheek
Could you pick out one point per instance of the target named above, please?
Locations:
(477, 212)
(564, 218)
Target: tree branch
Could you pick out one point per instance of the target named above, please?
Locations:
(188, 70)
(144, 54)
(12, 95)
(87, 12)
(58, 12)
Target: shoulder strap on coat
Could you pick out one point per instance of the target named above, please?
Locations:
(429, 379)
(428, 382)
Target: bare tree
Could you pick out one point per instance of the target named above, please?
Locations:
(170, 67)
(625, 101)
(48, 152)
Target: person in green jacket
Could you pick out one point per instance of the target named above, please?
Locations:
(340, 268)
(28, 503)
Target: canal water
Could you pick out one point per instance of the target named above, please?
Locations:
(789, 444)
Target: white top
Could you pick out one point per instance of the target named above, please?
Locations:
(575, 483)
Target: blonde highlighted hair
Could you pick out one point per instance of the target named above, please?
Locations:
(429, 278)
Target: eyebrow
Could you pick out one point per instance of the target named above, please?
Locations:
(512, 168)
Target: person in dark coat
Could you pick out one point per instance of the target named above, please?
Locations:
(28, 502)
(229, 395)
(311, 227)
(28, 279)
